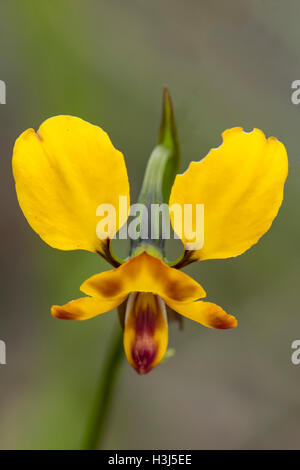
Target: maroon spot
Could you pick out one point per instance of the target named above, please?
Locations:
(64, 314)
(144, 348)
(177, 291)
(223, 323)
(109, 288)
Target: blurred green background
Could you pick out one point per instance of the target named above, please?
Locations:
(226, 64)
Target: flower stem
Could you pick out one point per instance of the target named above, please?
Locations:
(96, 425)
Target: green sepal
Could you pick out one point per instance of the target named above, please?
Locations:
(161, 171)
(168, 138)
(164, 160)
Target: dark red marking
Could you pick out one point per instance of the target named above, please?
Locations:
(144, 348)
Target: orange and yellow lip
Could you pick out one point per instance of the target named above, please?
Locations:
(145, 331)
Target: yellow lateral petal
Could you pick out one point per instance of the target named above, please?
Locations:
(145, 331)
(206, 313)
(63, 173)
(84, 308)
(240, 184)
(144, 273)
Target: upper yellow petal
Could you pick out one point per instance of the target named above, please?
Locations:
(144, 273)
(240, 185)
(63, 173)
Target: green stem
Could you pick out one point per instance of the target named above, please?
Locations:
(96, 426)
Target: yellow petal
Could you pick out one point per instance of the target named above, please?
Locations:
(206, 313)
(145, 332)
(84, 308)
(240, 184)
(63, 173)
(144, 273)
